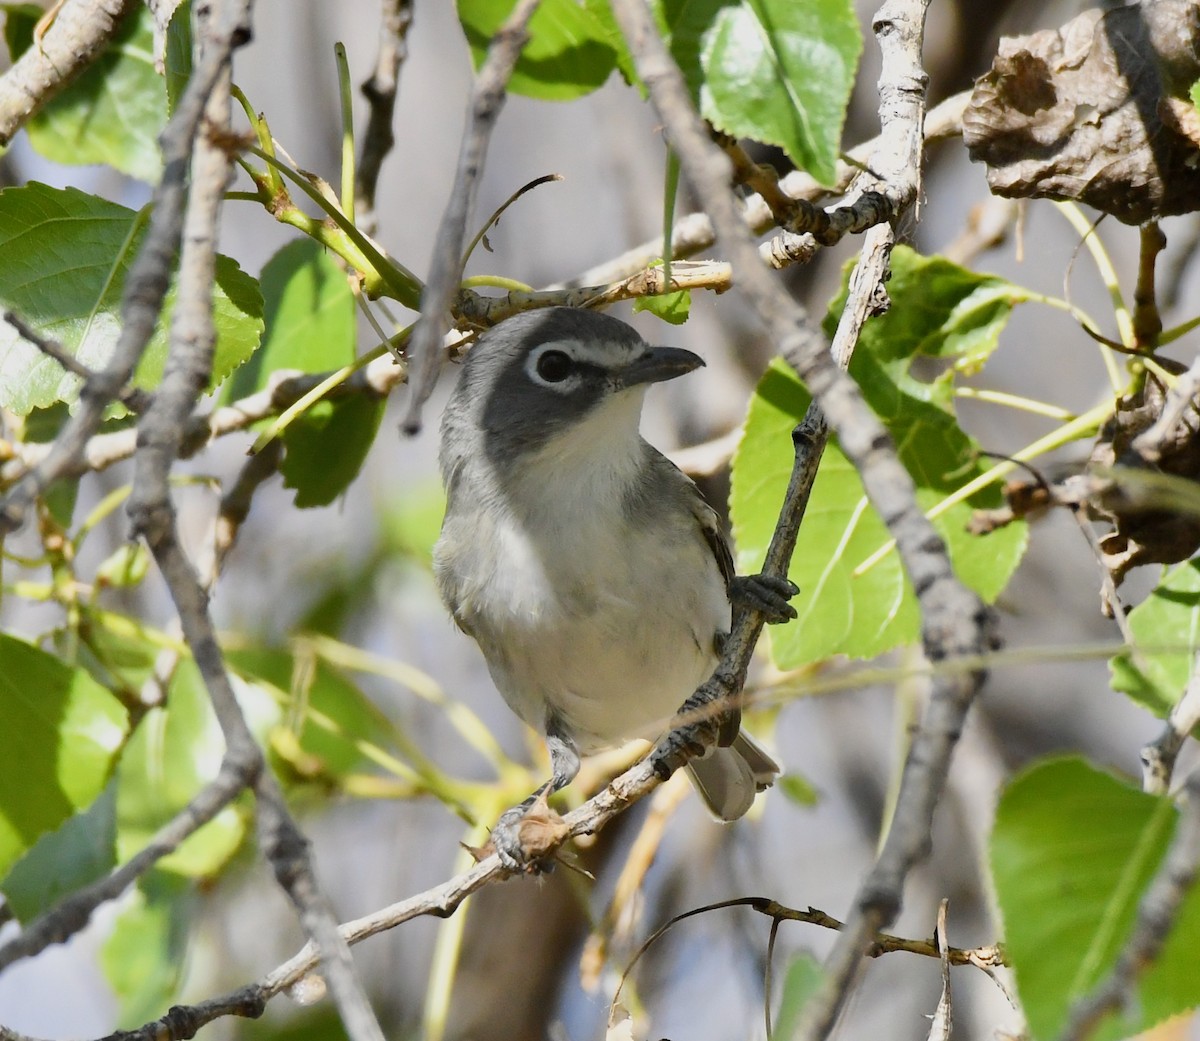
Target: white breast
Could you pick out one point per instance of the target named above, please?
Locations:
(608, 624)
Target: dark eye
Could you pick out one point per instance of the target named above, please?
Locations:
(554, 366)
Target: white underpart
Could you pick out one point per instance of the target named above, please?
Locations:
(616, 629)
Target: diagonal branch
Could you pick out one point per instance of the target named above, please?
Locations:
(445, 268)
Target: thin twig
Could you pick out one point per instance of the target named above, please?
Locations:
(1159, 756)
(378, 138)
(445, 268)
(1157, 914)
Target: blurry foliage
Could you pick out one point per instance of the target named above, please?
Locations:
(105, 729)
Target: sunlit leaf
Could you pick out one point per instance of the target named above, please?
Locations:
(1072, 851)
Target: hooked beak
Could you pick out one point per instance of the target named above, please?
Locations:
(658, 364)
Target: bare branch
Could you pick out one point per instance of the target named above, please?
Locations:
(380, 92)
(80, 31)
(160, 439)
(445, 268)
(694, 233)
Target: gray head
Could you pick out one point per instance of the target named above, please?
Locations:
(539, 374)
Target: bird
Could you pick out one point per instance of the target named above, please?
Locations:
(590, 571)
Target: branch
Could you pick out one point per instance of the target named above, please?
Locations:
(380, 92)
(445, 268)
(955, 623)
(1157, 913)
(160, 438)
(1158, 757)
(80, 31)
(694, 233)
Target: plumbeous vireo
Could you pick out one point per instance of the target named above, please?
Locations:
(593, 576)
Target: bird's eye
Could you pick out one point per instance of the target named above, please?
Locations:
(554, 366)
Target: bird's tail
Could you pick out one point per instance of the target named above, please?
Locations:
(727, 779)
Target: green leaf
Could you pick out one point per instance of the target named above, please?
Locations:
(67, 255)
(113, 112)
(775, 71)
(670, 307)
(938, 310)
(570, 50)
(798, 789)
(174, 752)
(81, 851)
(237, 319)
(177, 54)
(1166, 629)
(145, 954)
(802, 980)
(308, 312)
(60, 732)
(1072, 851)
(327, 448)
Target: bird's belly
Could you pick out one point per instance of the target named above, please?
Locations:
(613, 652)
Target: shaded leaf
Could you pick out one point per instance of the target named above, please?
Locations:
(113, 112)
(327, 448)
(1072, 851)
(177, 53)
(144, 955)
(570, 50)
(82, 850)
(60, 732)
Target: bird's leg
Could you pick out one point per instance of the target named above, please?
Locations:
(506, 835)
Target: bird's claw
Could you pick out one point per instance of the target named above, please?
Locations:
(767, 594)
(526, 837)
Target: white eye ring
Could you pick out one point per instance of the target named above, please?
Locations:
(552, 367)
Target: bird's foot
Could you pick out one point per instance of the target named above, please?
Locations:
(766, 594)
(705, 723)
(526, 837)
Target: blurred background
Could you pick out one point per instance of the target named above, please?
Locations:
(520, 975)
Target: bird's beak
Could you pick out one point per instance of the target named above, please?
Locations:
(657, 364)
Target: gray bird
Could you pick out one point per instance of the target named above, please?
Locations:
(593, 576)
